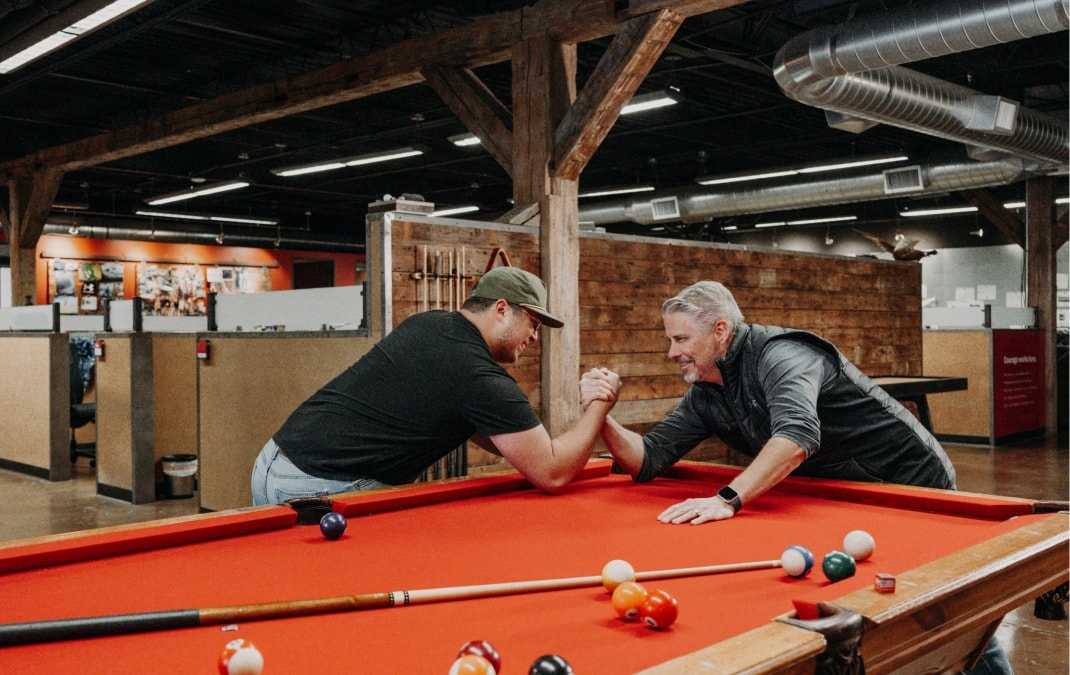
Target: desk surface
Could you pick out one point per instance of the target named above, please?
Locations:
(903, 386)
(496, 529)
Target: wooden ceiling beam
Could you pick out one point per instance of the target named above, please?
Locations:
(615, 79)
(31, 202)
(478, 109)
(1062, 228)
(993, 211)
(481, 42)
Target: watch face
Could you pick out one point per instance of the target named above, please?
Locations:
(728, 494)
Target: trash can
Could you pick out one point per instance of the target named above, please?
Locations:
(180, 475)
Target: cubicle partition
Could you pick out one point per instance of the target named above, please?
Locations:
(1005, 402)
(35, 390)
(146, 409)
(247, 386)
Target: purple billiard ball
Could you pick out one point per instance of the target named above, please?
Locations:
(333, 525)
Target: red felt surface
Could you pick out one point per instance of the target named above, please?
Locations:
(513, 536)
(89, 545)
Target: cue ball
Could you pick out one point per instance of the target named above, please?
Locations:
(628, 597)
(615, 573)
(550, 664)
(241, 657)
(333, 525)
(484, 649)
(472, 664)
(859, 545)
(838, 566)
(797, 561)
(659, 610)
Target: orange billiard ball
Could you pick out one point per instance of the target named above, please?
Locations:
(627, 599)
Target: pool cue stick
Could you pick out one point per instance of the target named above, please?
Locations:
(464, 294)
(438, 275)
(33, 632)
(423, 279)
(449, 279)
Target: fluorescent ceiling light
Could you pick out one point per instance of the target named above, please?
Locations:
(807, 221)
(815, 221)
(746, 177)
(854, 164)
(71, 206)
(73, 31)
(455, 210)
(177, 215)
(622, 190)
(1014, 205)
(332, 164)
(938, 212)
(657, 99)
(201, 191)
(792, 171)
(465, 140)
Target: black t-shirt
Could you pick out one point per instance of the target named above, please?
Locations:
(424, 389)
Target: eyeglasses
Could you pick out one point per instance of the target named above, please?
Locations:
(535, 321)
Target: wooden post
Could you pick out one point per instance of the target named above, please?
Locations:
(30, 203)
(544, 87)
(1040, 282)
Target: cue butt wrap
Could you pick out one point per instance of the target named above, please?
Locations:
(98, 626)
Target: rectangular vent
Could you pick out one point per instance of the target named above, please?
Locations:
(903, 179)
(665, 208)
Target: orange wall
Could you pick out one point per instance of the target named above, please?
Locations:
(279, 261)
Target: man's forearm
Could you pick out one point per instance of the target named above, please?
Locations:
(625, 446)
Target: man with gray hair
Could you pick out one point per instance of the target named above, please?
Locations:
(786, 398)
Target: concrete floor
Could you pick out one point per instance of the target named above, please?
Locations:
(34, 507)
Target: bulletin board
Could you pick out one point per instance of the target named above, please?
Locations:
(81, 287)
(166, 289)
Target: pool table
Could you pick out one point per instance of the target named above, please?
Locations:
(960, 562)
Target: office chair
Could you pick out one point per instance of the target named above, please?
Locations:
(81, 371)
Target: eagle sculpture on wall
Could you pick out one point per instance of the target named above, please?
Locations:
(901, 250)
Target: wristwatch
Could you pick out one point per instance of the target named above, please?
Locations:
(730, 497)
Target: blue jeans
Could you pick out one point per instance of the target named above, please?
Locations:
(275, 479)
(992, 662)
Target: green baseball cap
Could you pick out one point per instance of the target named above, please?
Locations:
(514, 285)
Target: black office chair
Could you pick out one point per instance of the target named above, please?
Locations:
(81, 371)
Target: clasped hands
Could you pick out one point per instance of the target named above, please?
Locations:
(599, 384)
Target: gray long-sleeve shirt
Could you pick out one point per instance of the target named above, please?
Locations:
(795, 385)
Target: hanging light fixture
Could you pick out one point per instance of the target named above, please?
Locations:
(192, 193)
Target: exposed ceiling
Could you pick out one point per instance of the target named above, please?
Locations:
(172, 54)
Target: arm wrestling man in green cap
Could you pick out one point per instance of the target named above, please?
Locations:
(431, 384)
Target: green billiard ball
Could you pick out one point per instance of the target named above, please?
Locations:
(837, 566)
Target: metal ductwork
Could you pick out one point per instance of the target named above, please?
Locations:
(698, 204)
(97, 227)
(851, 72)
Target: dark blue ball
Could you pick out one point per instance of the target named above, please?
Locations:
(333, 525)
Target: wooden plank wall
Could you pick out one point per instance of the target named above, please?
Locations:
(869, 308)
